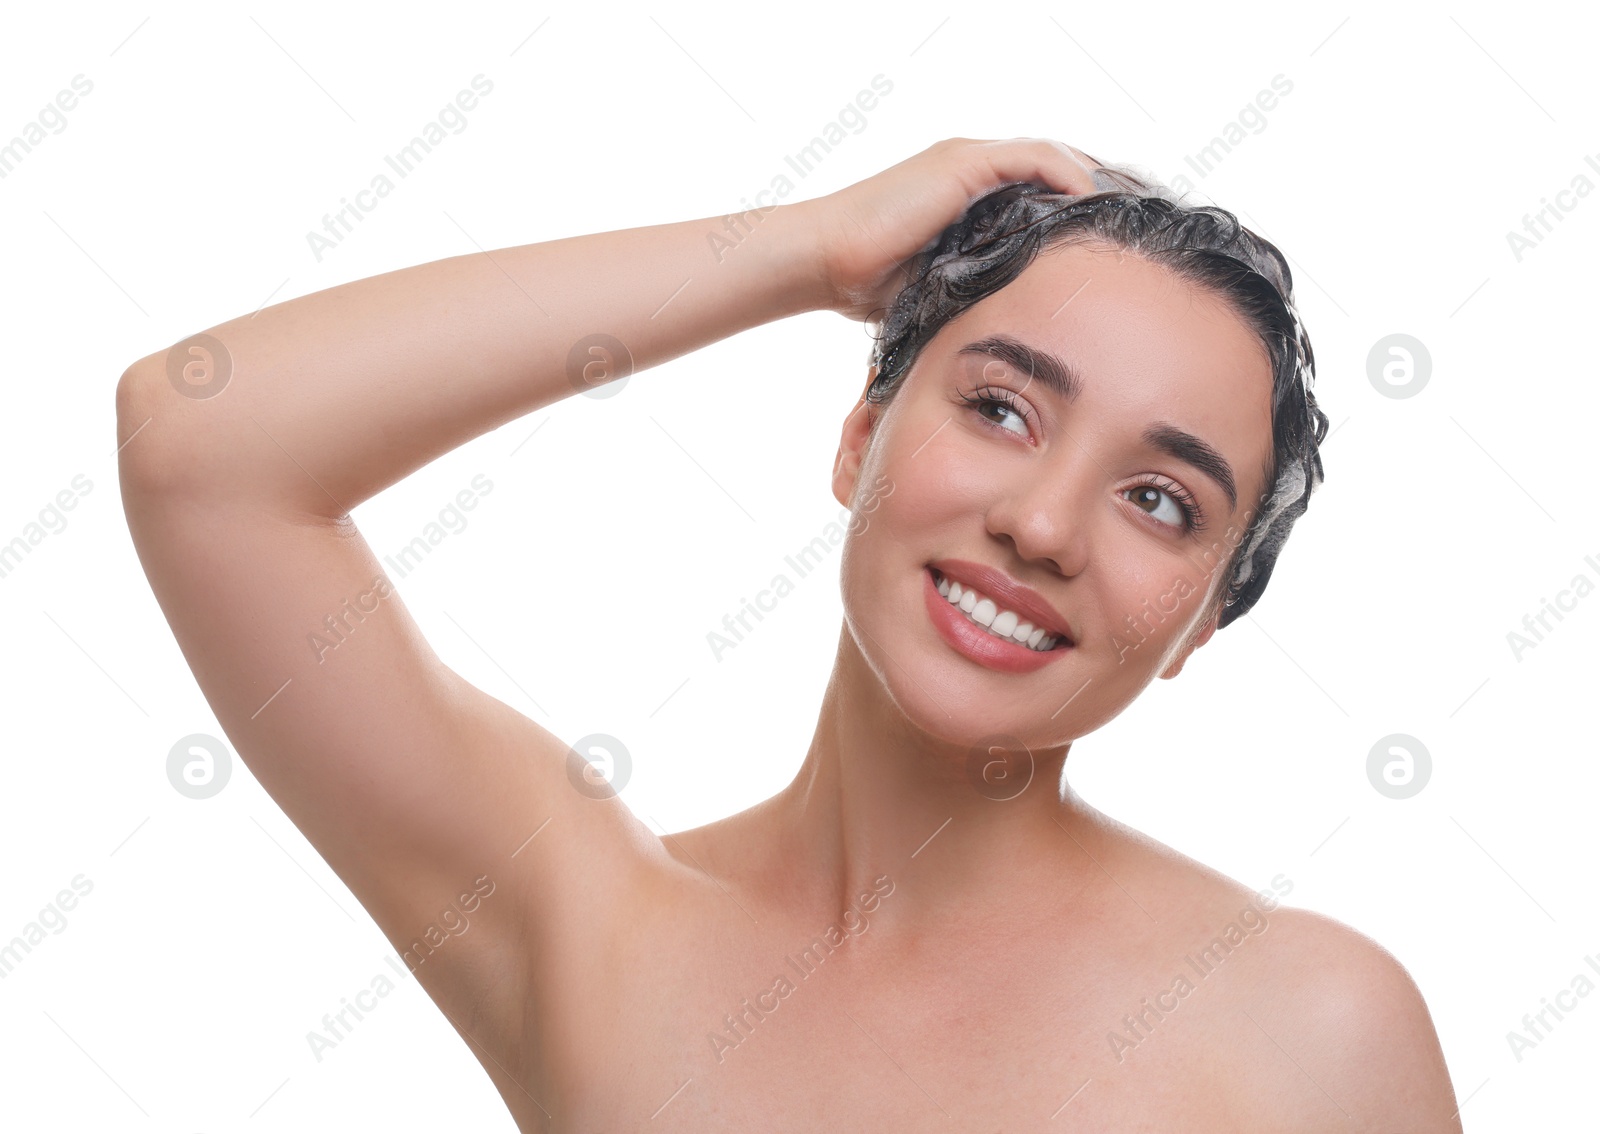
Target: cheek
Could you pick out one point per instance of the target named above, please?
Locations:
(946, 474)
(907, 491)
(1150, 605)
(903, 513)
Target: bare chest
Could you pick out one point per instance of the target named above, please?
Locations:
(741, 1028)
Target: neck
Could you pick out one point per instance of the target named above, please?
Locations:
(961, 836)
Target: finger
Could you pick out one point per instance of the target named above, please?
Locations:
(1042, 160)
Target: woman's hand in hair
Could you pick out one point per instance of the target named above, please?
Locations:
(869, 230)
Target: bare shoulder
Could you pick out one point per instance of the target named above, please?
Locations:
(1345, 1010)
(1327, 1028)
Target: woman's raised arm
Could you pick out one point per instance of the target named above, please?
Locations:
(418, 789)
(334, 396)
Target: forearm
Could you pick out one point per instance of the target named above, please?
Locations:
(334, 396)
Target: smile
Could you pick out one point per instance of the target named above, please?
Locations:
(985, 613)
(964, 631)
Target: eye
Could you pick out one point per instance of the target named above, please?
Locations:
(1002, 399)
(1169, 503)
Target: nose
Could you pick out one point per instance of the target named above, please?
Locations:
(1046, 514)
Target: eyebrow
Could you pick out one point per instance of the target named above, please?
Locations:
(1066, 383)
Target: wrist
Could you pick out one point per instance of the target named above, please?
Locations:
(799, 258)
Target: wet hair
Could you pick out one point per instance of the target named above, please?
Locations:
(1003, 231)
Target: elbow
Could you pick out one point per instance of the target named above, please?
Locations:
(139, 407)
(129, 387)
(173, 431)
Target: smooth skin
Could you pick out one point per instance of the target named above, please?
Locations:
(1003, 941)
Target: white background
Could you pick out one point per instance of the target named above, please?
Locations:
(179, 994)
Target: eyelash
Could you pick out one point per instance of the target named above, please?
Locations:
(997, 395)
(1193, 517)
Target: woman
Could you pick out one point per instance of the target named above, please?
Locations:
(1103, 445)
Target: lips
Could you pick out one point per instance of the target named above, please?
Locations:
(1007, 593)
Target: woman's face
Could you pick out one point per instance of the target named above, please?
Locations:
(1079, 492)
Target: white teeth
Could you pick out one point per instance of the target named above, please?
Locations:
(986, 613)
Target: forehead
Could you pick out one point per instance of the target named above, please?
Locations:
(1148, 344)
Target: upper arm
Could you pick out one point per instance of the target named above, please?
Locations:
(416, 787)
